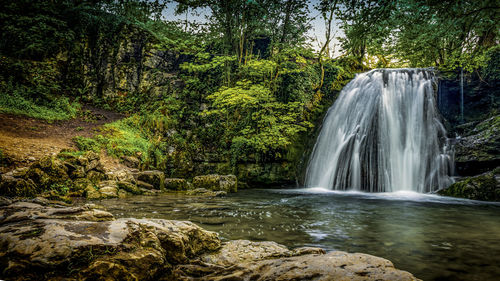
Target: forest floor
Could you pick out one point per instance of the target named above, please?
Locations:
(24, 140)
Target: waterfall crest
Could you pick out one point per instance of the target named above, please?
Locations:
(383, 134)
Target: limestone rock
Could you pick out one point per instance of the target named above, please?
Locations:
(240, 251)
(227, 183)
(92, 193)
(44, 240)
(11, 186)
(176, 184)
(478, 150)
(131, 162)
(129, 187)
(154, 178)
(145, 185)
(206, 193)
(108, 189)
(126, 175)
(332, 266)
(95, 176)
(484, 187)
(40, 241)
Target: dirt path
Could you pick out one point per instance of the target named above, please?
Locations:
(24, 139)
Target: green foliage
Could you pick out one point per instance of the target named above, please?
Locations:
(254, 121)
(492, 69)
(251, 86)
(87, 144)
(418, 33)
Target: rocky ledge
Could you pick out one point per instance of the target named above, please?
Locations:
(484, 187)
(478, 150)
(72, 174)
(45, 240)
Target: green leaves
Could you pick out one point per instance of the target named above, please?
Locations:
(255, 121)
(419, 33)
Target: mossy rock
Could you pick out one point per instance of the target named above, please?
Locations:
(154, 178)
(54, 169)
(95, 176)
(108, 189)
(227, 183)
(484, 187)
(12, 187)
(176, 184)
(92, 193)
(129, 187)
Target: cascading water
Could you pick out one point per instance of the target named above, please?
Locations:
(383, 134)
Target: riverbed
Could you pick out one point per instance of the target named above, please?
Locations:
(433, 237)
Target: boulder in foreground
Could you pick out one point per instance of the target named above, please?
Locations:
(42, 240)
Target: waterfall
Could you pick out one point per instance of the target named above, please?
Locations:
(383, 134)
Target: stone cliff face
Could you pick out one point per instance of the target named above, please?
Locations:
(131, 64)
(476, 139)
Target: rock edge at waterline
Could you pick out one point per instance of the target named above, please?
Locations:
(42, 240)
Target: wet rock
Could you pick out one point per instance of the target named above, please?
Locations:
(95, 176)
(154, 178)
(108, 189)
(145, 185)
(478, 150)
(227, 183)
(131, 162)
(240, 251)
(246, 260)
(11, 186)
(332, 266)
(176, 184)
(484, 187)
(92, 192)
(46, 241)
(129, 187)
(122, 175)
(206, 193)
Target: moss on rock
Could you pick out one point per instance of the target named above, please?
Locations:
(484, 187)
(227, 183)
(176, 184)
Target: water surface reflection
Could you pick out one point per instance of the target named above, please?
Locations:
(435, 238)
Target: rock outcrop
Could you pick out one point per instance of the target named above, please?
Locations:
(42, 240)
(81, 243)
(484, 187)
(206, 193)
(227, 183)
(478, 150)
(70, 175)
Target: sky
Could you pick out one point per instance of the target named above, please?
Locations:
(316, 33)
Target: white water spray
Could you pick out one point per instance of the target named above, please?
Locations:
(383, 134)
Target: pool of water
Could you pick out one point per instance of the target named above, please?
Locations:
(433, 237)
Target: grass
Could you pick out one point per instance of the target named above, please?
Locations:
(17, 103)
(119, 138)
(127, 137)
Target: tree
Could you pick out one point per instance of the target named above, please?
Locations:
(448, 34)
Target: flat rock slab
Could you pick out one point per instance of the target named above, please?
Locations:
(42, 240)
